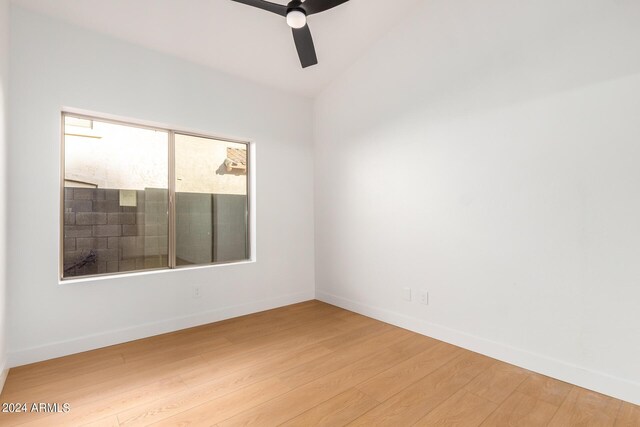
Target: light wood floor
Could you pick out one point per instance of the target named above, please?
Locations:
(303, 365)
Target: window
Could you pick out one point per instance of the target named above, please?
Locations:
(139, 198)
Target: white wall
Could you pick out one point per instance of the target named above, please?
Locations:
(57, 65)
(4, 79)
(488, 153)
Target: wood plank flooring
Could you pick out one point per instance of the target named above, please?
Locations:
(303, 365)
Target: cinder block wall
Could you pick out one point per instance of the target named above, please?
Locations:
(100, 236)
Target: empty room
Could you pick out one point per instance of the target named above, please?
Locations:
(320, 213)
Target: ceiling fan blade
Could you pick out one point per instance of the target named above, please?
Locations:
(266, 5)
(304, 45)
(317, 6)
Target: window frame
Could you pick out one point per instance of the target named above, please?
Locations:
(171, 131)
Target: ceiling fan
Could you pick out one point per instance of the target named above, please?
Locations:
(296, 13)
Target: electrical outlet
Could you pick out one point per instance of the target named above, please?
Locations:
(197, 292)
(406, 294)
(424, 297)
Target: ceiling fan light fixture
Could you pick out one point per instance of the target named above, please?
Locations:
(296, 12)
(296, 19)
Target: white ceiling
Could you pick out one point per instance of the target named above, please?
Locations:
(236, 38)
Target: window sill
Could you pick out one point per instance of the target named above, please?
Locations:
(126, 275)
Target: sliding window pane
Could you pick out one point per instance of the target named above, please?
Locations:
(211, 200)
(115, 198)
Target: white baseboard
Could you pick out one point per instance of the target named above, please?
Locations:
(92, 342)
(4, 371)
(597, 381)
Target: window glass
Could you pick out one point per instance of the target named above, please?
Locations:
(211, 200)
